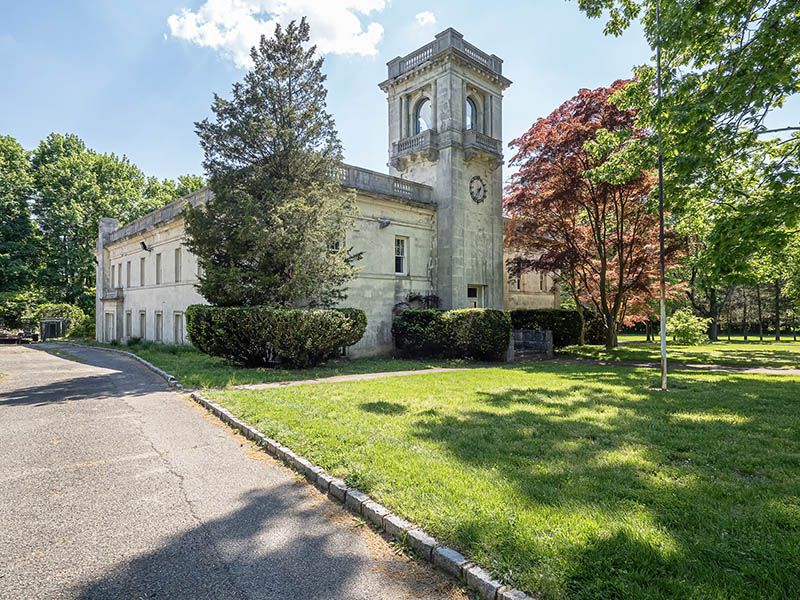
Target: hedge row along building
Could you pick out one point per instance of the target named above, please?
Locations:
(432, 226)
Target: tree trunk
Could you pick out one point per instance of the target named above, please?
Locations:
(582, 316)
(713, 309)
(648, 329)
(759, 313)
(777, 310)
(745, 324)
(611, 332)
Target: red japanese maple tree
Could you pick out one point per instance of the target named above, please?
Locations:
(579, 206)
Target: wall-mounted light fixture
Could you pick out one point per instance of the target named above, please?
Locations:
(383, 222)
(144, 247)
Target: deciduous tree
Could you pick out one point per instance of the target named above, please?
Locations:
(18, 243)
(580, 205)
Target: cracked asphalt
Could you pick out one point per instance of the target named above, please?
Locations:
(114, 486)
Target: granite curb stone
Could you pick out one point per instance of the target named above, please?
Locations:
(444, 558)
(422, 543)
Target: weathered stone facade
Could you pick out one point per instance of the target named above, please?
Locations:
(434, 226)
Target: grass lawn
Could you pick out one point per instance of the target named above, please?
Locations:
(197, 370)
(734, 353)
(572, 481)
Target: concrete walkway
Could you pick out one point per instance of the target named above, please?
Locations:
(679, 366)
(341, 378)
(113, 486)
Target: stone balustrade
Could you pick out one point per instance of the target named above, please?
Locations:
(378, 183)
(448, 39)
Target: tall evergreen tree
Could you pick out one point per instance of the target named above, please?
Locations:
(18, 248)
(272, 233)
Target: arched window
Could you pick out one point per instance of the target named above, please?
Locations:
(471, 121)
(422, 116)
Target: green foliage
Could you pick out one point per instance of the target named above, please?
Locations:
(73, 187)
(732, 157)
(564, 323)
(84, 330)
(685, 328)
(273, 159)
(72, 314)
(478, 333)
(15, 307)
(264, 336)
(18, 240)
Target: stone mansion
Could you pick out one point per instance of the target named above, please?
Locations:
(432, 226)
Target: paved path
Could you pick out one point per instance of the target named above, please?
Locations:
(679, 366)
(341, 378)
(113, 486)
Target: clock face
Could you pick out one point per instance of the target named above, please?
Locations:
(477, 189)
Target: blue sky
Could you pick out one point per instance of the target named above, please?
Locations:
(127, 79)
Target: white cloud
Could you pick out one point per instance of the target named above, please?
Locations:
(234, 26)
(425, 18)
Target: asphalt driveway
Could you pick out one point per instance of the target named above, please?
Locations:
(114, 486)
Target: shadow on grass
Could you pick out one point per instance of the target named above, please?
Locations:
(383, 408)
(687, 492)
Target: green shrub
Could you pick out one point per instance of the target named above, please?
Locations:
(685, 328)
(263, 336)
(478, 333)
(16, 306)
(564, 323)
(419, 333)
(72, 315)
(84, 330)
(134, 341)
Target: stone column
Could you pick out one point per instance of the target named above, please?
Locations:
(102, 277)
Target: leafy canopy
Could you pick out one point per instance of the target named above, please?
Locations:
(580, 206)
(271, 233)
(732, 155)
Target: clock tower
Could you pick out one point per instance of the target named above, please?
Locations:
(445, 130)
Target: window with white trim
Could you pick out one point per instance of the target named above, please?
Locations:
(400, 256)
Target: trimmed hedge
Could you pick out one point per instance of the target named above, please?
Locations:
(264, 336)
(564, 323)
(478, 333)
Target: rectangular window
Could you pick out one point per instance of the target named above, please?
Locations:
(334, 246)
(177, 328)
(141, 272)
(177, 265)
(475, 296)
(143, 324)
(158, 269)
(113, 274)
(109, 326)
(128, 324)
(542, 285)
(400, 256)
(128, 274)
(119, 275)
(159, 326)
